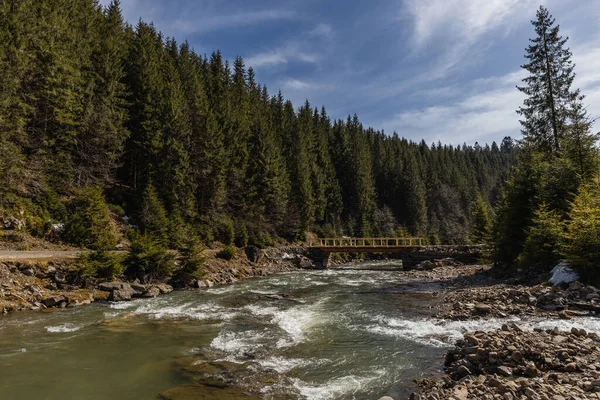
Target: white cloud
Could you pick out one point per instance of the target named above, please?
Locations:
(484, 117)
(292, 51)
(322, 29)
(466, 20)
(217, 22)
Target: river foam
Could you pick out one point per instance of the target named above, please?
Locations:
(443, 333)
(63, 328)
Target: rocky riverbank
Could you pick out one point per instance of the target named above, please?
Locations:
(514, 363)
(511, 363)
(43, 284)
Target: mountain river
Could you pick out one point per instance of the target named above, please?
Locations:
(334, 334)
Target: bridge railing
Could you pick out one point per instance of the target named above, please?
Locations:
(367, 242)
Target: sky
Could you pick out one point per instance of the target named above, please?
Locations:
(438, 70)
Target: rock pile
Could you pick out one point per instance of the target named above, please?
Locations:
(501, 300)
(514, 364)
(123, 291)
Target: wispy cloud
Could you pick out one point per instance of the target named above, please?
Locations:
(322, 29)
(187, 25)
(291, 51)
(464, 19)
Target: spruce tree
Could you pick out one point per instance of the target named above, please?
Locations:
(550, 101)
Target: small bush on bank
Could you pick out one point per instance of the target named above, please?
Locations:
(542, 243)
(148, 259)
(100, 264)
(191, 263)
(88, 222)
(582, 238)
(227, 253)
(225, 231)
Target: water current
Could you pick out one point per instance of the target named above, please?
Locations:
(334, 334)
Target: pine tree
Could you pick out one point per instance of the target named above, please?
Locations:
(582, 239)
(548, 107)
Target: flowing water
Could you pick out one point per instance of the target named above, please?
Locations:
(334, 334)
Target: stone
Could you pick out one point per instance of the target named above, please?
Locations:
(460, 392)
(472, 340)
(504, 371)
(571, 367)
(164, 288)
(387, 398)
(139, 288)
(152, 291)
(564, 315)
(59, 277)
(531, 371)
(481, 308)
(121, 294)
(54, 301)
(253, 253)
(462, 372)
(110, 286)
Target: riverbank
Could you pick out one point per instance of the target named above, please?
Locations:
(516, 362)
(53, 282)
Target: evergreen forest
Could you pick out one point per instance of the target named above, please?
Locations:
(104, 124)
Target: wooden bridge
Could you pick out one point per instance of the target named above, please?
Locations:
(366, 245)
(322, 248)
(411, 250)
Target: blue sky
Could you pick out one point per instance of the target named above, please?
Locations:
(428, 69)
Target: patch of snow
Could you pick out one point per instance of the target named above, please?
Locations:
(563, 273)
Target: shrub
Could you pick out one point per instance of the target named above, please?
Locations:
(88, 223)
(153, 217)
(543, 239)
(100, 264)
(241, 235)
(191, 263)
(582, 238)
(225, 231)
(148, 259)
(227, 253)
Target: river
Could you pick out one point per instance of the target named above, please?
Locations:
(335, 334)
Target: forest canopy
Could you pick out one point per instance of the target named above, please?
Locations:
(100, 119)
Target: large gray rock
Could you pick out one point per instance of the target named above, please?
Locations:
(54, 301)
(110, 286)
(121, 294)
(164, 288)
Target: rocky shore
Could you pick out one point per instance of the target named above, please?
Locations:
(43, 284)
(511, 363)
(514, 363)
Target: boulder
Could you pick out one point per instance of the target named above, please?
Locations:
(481, 308)
(54, 301)
(164, 288)
(152, 291)
(253, 253)
(121, 294)
(110, 286)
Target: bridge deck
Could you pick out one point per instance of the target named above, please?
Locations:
(364, 245)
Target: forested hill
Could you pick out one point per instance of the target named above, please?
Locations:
(93, 110)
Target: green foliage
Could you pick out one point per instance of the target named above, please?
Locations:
(582, 238)
(543, 240)
(226, 253)
(100, 264)
(241, 235)
(148, 259)
(225, 231)
(153, 217)
(191, 263)
(186, 140)
(88, 222)
(482, 225)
